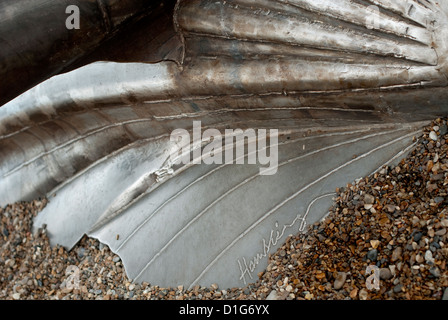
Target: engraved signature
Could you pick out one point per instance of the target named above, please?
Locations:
(247, 268)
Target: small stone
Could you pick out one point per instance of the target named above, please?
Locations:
(16, 296)
(363, 294)
(372, 254)
(428, 257)
(433, 136)
(369, 199)
(434, 246)
(419, 259)
(445, 294)
(273, 295)
(320, 275)
(340, 280)
(390, 208)
(385, 274)
(398, 288)
(10, 263)
(439, 199)
(435, 271)
(374, 243)
(417, 236)
(392, 269)
(396, 254)
(309, 296)
(431, 187)
(354, 293)
(441, 232)
(81, 251)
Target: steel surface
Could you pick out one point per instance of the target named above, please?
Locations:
(345, 86)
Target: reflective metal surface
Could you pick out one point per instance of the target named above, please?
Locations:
(347, 84)
(36, 44)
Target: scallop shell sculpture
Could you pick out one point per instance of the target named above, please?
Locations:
(340, 88)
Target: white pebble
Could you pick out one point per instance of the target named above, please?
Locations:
(433, 136)
(428, 257)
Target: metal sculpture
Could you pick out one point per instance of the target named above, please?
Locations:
(334, 89)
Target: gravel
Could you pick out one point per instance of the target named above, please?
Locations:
(394, 221)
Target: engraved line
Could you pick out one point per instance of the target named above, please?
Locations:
(401, 152)
(228, 110)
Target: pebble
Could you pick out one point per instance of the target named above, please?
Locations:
(372, 255)
(354, 293)
(369, 199)
(363, 294)
(419, 259)
(340, 280)
(445, 294)
(398, 288)
(417, 236)
(396, 254)
(433, 136)
(429, 258)
(390, 208)
(385, 274)
(309, 296)
(435, 271)
(374, 243)
(273, 295)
